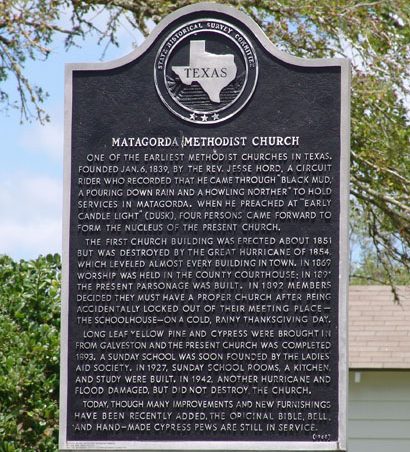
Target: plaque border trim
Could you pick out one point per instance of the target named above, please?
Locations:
(181, 446)
(345, 83)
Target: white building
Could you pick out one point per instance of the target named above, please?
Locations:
(379, 362)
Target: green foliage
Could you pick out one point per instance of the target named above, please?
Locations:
(369, 269)
(29, 353)
(26, 28)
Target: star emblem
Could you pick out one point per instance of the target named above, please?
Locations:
(192, 116)
(204, 118)
(215, 116)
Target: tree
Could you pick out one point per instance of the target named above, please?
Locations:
(29, 353)
(370, 271)
(375, 34)
(366, 266)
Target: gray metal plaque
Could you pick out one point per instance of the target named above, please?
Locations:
(205, 244)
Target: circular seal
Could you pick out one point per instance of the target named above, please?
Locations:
(206, 71)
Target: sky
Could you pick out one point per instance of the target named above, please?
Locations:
(31, 155)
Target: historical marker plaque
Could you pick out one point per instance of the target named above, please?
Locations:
(205, 253)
